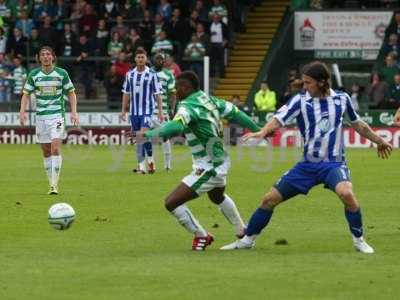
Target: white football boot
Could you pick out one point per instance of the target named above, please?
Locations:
(239, 244)
(361, 245)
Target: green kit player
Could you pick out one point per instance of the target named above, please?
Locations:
(167, 81)
(50, 86)
(199, 117)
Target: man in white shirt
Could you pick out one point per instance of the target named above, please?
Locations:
(219, 41)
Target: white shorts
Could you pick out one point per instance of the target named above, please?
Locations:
(50, 129)
(205, 180)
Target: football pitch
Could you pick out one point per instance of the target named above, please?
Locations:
(125, 245)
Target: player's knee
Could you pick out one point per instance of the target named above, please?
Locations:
(346, 194)
(269, 202)
(169, 204)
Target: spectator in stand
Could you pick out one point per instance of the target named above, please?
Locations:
(89, 19)
(294, 86)
(356, 96)
(194, 20)
(146, 27)
(113, 85)
(122, 65)
(83, 51)
(47, 33)
(159, 25)
(75, 17)
(377, 91)
(120, 27)
(202, 10)
(218, 9)
(203, 37)
(128, 50)
(265, 99)
(3, 41)
(390, 69)
(34, 42)
(20, 6)
(4, 87)
(5, 11)
(25, 24)
(394, 93)
(115, 46)
(134, 39)
(164, 9)
(16, 44)
(140, 9)
(394, 27)
(163, 45)
(61, 14)
(126, 10)
(179, 31)
(108, 10)
(392, 45)
(4, 63)
(102, 38)
(66, 44)
(219, 41)
(43, 10)
(172, 65)
(18, 76)
(195, 52)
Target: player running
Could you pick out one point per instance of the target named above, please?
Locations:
(140, 88)
(319, 113)
(199, 118)
(167, 82)
(51, 86)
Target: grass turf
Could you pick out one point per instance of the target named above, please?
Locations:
(124, 245)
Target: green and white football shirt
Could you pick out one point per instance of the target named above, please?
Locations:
(167, 82)
(201, 116)
(50, 90)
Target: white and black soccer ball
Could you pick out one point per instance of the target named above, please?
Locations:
(61, 216)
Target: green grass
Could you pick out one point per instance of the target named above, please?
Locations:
(124, 245)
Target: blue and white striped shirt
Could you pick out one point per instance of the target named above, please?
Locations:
(320, 122)
(142, 88)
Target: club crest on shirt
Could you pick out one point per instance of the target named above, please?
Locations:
(324, 125)
(337, 102)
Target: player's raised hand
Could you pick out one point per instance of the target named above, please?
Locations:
(384, 150)
(23, 117)
(74, 119)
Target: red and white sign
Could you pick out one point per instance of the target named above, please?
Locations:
(334, 30)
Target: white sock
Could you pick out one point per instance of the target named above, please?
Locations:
(56, 162)
(187, 220)
(231, 213)
(166, 148)
(142, 166)
(150, 159)
(47, 167)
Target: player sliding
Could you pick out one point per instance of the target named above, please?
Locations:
(319, 113)
(50, 85)
(199, 118)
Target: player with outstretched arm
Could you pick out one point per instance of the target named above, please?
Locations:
(199, 117)
(319, 113)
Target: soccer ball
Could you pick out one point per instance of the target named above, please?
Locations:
(61, 216)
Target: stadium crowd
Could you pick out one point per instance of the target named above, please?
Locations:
(97, 39)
